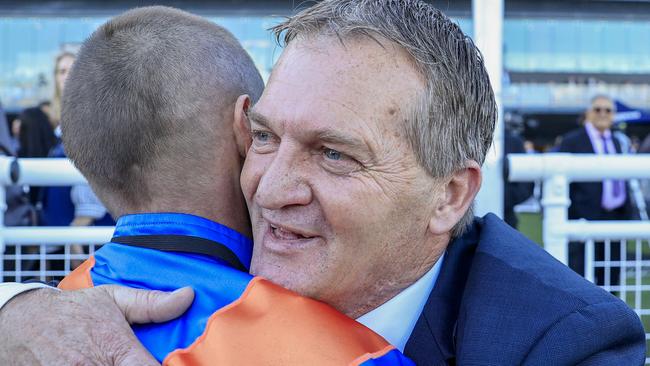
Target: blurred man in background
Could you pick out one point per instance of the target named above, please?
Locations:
(606, 200)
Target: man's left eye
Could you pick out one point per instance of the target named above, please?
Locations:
(339, 163)
(333, 154)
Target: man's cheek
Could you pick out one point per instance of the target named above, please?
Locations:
(250, 178)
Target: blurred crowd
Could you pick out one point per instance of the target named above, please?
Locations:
(36, 133)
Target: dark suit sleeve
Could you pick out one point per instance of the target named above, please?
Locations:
(566, 144)
(606, 333)
(31, 144)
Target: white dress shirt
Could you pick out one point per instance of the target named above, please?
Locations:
(396, 318)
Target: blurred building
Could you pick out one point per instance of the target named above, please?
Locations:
(557, 54)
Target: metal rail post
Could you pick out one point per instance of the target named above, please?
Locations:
(555, 200)
(488, 36)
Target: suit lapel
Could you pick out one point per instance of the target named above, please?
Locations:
(589, 148)
(586, 143)
(433, 339)
(617, 144)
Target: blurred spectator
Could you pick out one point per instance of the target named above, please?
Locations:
(56, 207)
(68, 206)
(15, 134)
(38, 124)
(514, 192)
(36, 133)
(35, 140)
(62, 66)
(606, 200)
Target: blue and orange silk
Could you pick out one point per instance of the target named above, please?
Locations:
(235, 319)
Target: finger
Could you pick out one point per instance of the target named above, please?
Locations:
(144, 306)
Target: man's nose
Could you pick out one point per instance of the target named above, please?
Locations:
(284, 183)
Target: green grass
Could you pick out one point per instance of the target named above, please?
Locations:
(530, 224)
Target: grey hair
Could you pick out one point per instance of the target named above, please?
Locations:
(454, 119)
(602, 96)
(145, 99)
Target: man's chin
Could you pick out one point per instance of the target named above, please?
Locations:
(284, 277)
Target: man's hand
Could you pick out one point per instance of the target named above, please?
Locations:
(84, 327)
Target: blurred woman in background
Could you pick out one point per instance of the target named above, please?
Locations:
(62, 66)
(39, 125)
(67, 205)
(38, 130)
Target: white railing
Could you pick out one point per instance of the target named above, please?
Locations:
(35, 244)
(557, 171)
(624, 246)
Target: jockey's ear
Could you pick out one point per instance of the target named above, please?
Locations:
(241, 124)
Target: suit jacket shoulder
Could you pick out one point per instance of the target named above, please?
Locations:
(518, 305)
(576, 141)
(529, 302)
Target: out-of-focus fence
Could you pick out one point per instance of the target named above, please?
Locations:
(625, 267)
(42, 253)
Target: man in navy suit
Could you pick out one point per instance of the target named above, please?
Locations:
(606, 200)
(609, 199)
(362, 162)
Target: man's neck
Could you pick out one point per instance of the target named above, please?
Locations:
(222, 203)
(383, 292)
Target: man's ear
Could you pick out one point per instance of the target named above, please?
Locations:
(241, 125)
(458, 194)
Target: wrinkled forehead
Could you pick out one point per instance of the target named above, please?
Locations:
(358, 78)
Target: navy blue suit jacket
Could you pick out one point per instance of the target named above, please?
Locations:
(502, 300)
(586, 196)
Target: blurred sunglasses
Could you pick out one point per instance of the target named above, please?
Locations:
(604, 110)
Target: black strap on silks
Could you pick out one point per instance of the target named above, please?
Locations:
(184, 244)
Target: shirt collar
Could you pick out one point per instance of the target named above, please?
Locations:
(594, 133)
(395, 319)
(187, 225)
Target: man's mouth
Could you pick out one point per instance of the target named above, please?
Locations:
(285, 240)
(284, 234)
